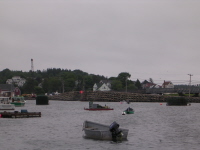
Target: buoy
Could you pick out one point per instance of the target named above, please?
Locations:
(123, 113)
(160, 103)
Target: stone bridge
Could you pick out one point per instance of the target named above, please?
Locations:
(114, 97)
(185, 90)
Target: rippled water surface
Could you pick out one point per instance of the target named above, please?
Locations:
(153, 126)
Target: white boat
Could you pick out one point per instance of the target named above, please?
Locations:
(99, 131)
(18, 101)
(5, 104)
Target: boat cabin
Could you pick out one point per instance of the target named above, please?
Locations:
(17, 98)
(5, 104)
(4, 100)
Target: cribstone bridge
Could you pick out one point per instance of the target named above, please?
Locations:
(114, 97)
(185, 90)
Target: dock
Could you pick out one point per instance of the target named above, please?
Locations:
(19, 114)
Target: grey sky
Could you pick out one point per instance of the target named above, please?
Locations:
(156, 39)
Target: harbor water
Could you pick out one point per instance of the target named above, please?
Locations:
(153, 126)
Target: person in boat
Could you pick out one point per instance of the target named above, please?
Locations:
(129, 109)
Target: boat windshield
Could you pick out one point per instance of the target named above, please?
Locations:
(17, 98)
(4, 100)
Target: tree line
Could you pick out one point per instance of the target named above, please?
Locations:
(64, 80)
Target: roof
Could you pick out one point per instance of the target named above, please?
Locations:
(167, 82)
(99, 85)
(149, 84)
(105, 81)
(7, 87)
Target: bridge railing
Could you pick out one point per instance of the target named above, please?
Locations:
(192, 90)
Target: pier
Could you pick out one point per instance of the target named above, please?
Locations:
(19, 114)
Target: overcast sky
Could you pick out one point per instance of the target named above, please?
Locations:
(156, 39)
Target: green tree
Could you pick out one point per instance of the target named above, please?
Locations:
(45, 85)
(4, 75)
(88, 83)
(54, 84)
(29, 86)
(68, 79)
(138, 84)
(151, 80)
(39, 90)
(131, 87)
(69, 84)
(123, 77)
(52, 79)
(113, 78)
(116, 85)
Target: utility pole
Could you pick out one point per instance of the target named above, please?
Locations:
(32, 67)
(190, 83)
(63, 86)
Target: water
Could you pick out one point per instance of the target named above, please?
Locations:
(153, 126)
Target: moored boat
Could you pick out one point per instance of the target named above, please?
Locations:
(99, 131)
(5, 104)
(18, 101)
(129, 111)
(94, 107)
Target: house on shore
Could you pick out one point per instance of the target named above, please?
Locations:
(17, 80)
(149, 85)
(103, 85)
(8, 90)
(167, 84)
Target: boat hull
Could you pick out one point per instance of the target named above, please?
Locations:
(18, 104)
(5, 104)
(98, 131)
(97, 109)
(18, 101)
(7, 107)
(129, 112)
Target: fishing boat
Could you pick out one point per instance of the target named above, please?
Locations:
(93, 130)
(129, 111)
(18, 101)
(94, 107)
(125, 101)
(5, 104)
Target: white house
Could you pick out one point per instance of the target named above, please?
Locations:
(21, 82)
(16, 80)
(167, 84)
(103, 85)
(150, 85)
(107, 82)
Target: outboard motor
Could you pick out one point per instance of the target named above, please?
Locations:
(116, 133)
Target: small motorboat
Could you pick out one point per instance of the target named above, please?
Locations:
(99, 131)
(5, 104)
(94, 107)
(129, 111)
(18, 101)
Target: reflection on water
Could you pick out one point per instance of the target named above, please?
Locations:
(153, 126)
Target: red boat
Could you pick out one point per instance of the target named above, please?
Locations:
(94, 107)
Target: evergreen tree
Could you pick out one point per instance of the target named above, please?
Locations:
(138, 84)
